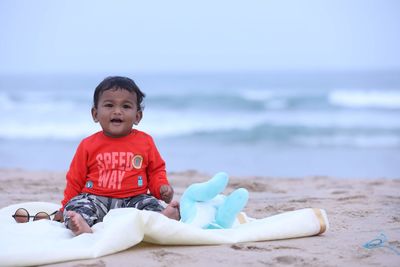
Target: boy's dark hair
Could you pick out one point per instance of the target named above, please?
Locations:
(118, 82)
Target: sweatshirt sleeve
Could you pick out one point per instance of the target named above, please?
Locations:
(76, 175)
(156, 172)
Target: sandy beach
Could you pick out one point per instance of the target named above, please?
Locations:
(359, 210)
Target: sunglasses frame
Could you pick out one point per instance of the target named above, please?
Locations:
(15, 216)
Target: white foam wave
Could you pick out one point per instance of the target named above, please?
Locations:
(366, 98)
(175, 123)
(272, 99)
(67, 123)
(54, 130)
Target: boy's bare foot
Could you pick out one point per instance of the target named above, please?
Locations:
(77, 224)
(172, 211)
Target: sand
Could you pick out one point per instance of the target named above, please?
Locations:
(359, 210)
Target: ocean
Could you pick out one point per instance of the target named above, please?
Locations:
(281, 124)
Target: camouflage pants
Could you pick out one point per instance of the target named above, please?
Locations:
(93, 208)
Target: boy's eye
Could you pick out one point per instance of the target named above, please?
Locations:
(108, 105)
(127, 106)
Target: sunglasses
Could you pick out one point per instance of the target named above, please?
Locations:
(21, 215)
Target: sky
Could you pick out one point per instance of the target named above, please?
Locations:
(46, 36)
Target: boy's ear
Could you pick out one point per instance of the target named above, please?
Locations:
(139, 116)
(94, 114)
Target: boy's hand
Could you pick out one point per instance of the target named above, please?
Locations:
(167, 193)
(58, 217)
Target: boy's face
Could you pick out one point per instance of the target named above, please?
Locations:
(117, 112)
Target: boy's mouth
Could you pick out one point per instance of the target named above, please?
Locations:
(116, 120)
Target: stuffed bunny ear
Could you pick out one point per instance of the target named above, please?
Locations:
(201, 192)
(232, 205)
(208, 190)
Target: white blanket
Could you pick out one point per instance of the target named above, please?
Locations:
(45, 241)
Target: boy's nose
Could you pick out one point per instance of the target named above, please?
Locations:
(117, 110)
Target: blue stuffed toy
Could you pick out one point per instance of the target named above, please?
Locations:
(203, 205)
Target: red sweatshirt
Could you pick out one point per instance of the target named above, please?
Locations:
(116, 167)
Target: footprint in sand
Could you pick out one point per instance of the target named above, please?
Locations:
(287, 247)
(352, 197)
(251, 186)
(164, 255)
(248, 248)
(289, 260)
(99, 263)
(339, 192)
(395, 219)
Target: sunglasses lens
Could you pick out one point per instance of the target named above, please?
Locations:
(21, 216)
(41, 216)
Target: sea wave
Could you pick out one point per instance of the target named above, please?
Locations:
(195, 101)
(303, 137)
(228, 131)
(245, 114)
(69, 122)
(250, 100)
(247, 100)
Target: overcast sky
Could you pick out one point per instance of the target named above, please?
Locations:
(209, 35)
